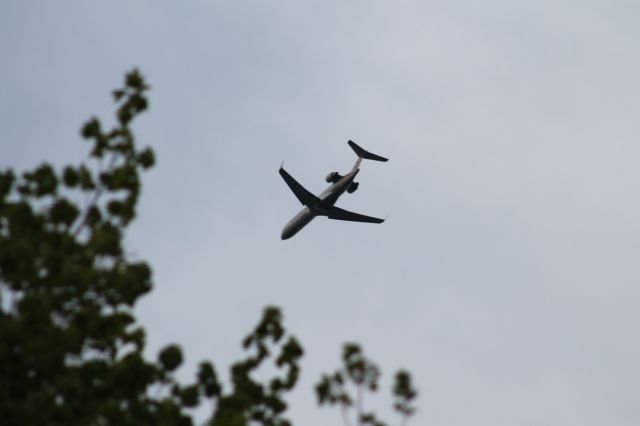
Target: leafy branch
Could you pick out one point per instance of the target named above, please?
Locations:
(72, 351)
(361, 373)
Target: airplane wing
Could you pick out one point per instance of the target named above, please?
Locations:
(305, 197)
(340, 214)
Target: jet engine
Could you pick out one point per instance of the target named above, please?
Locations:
(352, 188)
(333, 177)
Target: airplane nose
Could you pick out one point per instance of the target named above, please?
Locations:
(286, 233)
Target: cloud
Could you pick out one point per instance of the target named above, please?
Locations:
(505, 277)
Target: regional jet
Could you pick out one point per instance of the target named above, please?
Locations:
(323, 205)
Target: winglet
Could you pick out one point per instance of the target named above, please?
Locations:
(362, 153)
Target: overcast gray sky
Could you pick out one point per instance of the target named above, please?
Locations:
(506, 276)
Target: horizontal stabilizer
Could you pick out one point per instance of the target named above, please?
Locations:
(360, 152)
(305, 197)
(340, 214)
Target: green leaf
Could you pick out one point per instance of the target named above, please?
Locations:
(94, 217)
(135, 80)
(91, 129)
(209, 380)
(118, 94)
(86, 178)
(70, 177)
(63, 212)
(105, 241)
(190, 396)
(43, 180)
(170, 357)
(146, 158)
(6, 183)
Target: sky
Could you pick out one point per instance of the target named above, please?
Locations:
(506, 275)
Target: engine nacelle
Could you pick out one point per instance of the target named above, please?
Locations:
(352, 188)
(333, 177)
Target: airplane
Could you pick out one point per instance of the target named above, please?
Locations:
(323, 205)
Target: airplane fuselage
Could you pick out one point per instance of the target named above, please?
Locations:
(327, 199)
(324, 204)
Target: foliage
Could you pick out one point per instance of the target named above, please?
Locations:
(72, 352)
(362, 374)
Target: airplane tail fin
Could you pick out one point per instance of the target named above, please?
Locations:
(361, 153)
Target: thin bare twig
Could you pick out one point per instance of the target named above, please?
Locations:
(359, 403)
(345, 416)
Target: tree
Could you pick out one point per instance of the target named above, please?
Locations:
(71, 350)
(361, 375)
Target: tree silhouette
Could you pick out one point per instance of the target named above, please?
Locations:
(347, 386)
(71, 351)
